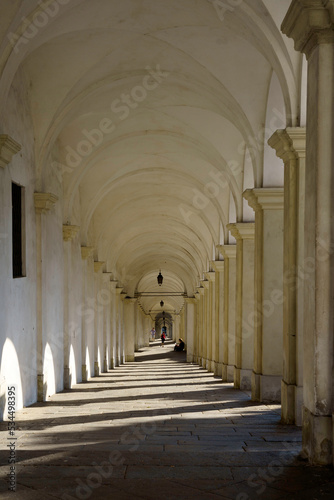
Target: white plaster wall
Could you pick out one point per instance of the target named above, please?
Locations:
(18, 296)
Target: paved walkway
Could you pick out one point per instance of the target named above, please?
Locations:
(158, 429)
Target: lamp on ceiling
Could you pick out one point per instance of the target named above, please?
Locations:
(162, 303)
(160, 278)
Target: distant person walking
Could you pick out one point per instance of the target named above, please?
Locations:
(163, 338)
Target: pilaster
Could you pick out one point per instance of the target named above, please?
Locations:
(311, 25)
(219, 267)
(290, 146)
(8, 148)
(244, 233)
(229, 253)
(268, 204)
(44, 202)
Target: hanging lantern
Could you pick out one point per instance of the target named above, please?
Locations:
(162, 303)
(160, 278)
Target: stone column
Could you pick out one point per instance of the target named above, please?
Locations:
(211, 332)
(86, 252)
(268, 316)
(219, 313)
(69, 234)
(113, 325)
(196, 341)
(200, 325)
(191, 326)
(43, 203)
(290, 145)
(106, 302)
(244, 233)
(311, 25)
(206, 323)
(120, 326)
(98, 323)
(130, 305)
(229, 252)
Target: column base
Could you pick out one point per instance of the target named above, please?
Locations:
(292, 403)
(84, 373)
(230, 373)
(111, 364)
(209, 365)
(218, 371)
(96, 369)
(266, 388)
(129, 358)
(242, 379)
(67, 383)
(224, 372)
(117, 362)
(317, 438)
(203, 362)
(190, 358)
(105, 365)
(40, 388)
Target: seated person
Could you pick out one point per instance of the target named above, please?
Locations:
(179, 346)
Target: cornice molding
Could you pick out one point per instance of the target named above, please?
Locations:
(265, 198)
(228, 251)
(44, 202)
(86, 252)
(242, 230)
(218, 265)
(309, 23)
(289, 144)
(70, 232)
(98, 266)
(210, 275)
(8, 148)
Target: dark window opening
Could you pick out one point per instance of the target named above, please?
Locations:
(17, 231)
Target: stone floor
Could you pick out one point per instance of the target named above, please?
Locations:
(158, 429)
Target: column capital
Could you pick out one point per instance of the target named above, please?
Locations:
(113, 285)
(205, 284)
(86, 252)
(242, 230)
(190, 300)
(309, 23)
(289, 143)
(44, 202)
(70, 232)
(119, 291)
(265, 198)
(201, 290)
(228, 251)
(8, 148)
(130, 300)
(219, 266)
(210, 275)
(98, 266)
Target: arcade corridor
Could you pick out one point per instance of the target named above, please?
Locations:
(160, 429)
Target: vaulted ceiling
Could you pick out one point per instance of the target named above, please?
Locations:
(153, 117)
